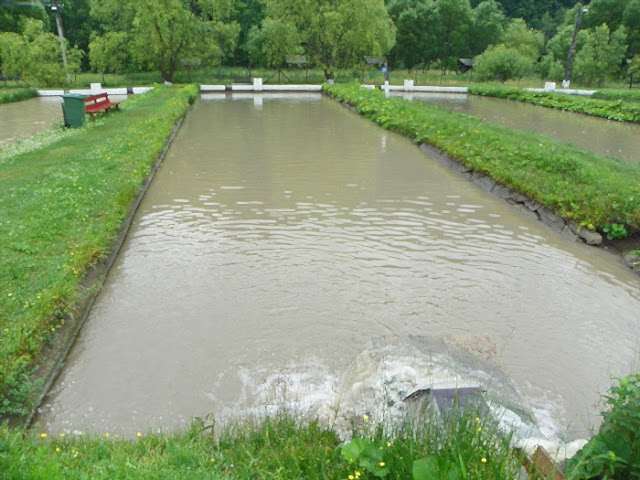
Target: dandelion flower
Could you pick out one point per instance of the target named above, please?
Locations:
(484, 460)
(351, 477)
(138, 434)
(388, 444)
(43, 435)
(382, 464)
(479, 429)
(61, 435)
(365, 417)
(57, 449)
(357, 474)
(106, 435)
(212, 460)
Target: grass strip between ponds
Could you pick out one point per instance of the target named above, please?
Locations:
(594, 192)
(9, 95)
(283, 447)
(618, 107)
(61, 207)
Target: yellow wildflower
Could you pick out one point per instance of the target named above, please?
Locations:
(484, 460)
(43, 435)
(382, 464)
(365, 417)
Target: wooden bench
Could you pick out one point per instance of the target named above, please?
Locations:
(98, 103)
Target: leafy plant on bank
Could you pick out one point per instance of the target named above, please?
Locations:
(576, 184)
(62, 202)
(626, 95)
(614, 453)
(610, 109)
(9, 95)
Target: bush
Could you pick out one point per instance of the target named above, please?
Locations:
(614, 453)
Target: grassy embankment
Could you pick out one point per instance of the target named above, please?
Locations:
(8, 95)
(63, 198)
(613, 106)
(595, 192)
(284, 447)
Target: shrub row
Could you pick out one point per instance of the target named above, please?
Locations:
(595, 192)
(626, 95)
(610, 109)
(17, 94)
(61, 206)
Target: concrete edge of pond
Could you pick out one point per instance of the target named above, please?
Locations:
(568, 229)
(56, 353)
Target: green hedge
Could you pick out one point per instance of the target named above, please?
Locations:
(63, 198)
(595, 192)
(610, 109)
(16, 94)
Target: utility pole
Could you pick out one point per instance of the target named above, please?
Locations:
(572, 48)
(55, 8)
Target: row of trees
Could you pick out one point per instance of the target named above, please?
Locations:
(122, 36)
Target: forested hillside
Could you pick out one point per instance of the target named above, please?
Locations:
(508, 39)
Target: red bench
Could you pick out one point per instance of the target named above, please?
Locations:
(98, 103)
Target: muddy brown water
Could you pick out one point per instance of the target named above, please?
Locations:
(22, 119)
(604, 137)
(288, 234)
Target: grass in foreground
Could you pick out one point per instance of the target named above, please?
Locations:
(283, 447)
(595, 192)
(8, 95)
(62, 203)
(611, 107)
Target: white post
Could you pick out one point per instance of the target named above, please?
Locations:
(257, 84)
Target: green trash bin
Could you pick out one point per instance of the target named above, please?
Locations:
(73, 110)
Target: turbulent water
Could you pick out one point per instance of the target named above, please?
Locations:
(290, 253)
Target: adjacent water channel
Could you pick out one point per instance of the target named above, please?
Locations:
(283, 237)
(604, 137)
(22, 119)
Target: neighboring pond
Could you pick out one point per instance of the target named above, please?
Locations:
(605, 137)
(282, 236)
(26, 118)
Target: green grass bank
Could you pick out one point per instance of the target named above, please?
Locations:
(8, 95)
(63, 198)
(616, 105)
(594, 192)
(282, 447)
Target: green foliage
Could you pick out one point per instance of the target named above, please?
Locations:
(576, 184)
(612, 110)
(17, 94)
(163, 34)
(334, 34)
(55, 223)
(35, 53)
(368, 454)
(615, 231)
(614, 453)
(601, 55)
(502, 63)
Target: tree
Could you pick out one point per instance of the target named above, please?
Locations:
(527, 41)
(601, 55)
(503, 63)
(488, 25)
(165, 33)
(415, 37)
(35, 53)
(272, 42)
(336, 33)
(452, 26)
